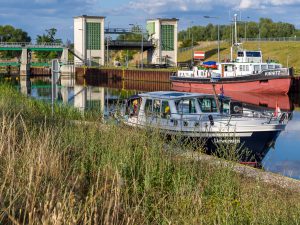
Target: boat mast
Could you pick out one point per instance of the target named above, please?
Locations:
(235, 37)
(235, 29)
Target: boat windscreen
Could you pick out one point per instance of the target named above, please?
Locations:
(253, 54)
(186, 106)
(208, 105)
(176, 94)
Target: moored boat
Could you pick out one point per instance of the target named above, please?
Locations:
(256, 80)
(247, 73)
(216, 121)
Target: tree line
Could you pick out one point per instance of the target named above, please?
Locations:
(265, 28)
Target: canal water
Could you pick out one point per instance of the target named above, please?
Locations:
(92, 94)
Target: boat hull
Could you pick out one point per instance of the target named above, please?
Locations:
(248, 146)
(266, 85)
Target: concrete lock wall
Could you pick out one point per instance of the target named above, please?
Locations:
(89, 55)
(159, 55)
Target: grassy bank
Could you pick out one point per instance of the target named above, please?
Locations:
(56, 172)
(283, 52)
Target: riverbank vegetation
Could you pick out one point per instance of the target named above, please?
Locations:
(57, 172)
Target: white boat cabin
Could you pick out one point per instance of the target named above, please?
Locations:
(247, 63)
(176, 105)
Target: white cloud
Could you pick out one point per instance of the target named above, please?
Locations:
(256, 4)
(158, 6)
(246, 4)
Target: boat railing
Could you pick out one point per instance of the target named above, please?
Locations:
(198, 120)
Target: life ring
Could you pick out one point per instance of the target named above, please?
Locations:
(236, 109)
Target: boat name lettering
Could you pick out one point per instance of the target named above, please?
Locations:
(272, 73)
(227, 140)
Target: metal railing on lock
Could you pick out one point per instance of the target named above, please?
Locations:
(271, 39)
(31, 45)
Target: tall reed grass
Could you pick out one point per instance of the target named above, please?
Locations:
(110, 174)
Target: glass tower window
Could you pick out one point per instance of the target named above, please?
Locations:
(93, 34)
(167, 37)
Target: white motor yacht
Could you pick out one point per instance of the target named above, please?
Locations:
(215, 119)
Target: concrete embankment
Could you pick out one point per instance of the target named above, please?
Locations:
(247, 171)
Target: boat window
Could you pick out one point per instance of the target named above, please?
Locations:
(156, 106)
(225, 106)
(277, 66)
(253, 54)
(264, 67)
(186, 106)
(241, 68)
(208, 105)
(165, 109)
(240, 54)
(229, 68)
(132, 107)
(270, 66)
(148, 106)
(225, 68)
(256, 68)
(247, 67)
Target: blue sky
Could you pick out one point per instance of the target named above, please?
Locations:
(34, 16)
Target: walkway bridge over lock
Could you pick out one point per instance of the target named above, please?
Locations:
(18, 46)
(24, 62)
(129, 45)
(57, 47)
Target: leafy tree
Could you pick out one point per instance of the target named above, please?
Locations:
(252, 30)
(48, 37)
(134, 36)
(10, 34)
(187, 43)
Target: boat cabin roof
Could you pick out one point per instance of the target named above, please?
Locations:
(174, 95)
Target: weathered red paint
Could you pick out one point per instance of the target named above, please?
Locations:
(274, 86)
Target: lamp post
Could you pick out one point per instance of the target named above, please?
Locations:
(140, 29)
(107, 44)
(192, 42)
(216, 17)
(127, 59)
(108, 38)
(82, 46)
(142, 49)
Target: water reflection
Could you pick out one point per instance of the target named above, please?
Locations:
(257, 99)
(103, 95)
